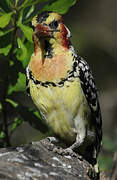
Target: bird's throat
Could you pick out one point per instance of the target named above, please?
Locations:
(50, 60)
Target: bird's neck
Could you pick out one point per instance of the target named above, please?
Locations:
(51, 60)
(48, 45)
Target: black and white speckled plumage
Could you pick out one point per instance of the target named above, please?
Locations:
(90, 91)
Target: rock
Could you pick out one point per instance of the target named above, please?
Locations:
(37, 160)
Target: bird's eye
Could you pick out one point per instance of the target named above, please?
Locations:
(53, 24)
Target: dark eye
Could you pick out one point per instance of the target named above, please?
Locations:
(53, 24)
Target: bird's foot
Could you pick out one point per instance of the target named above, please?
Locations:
(65, 152)
(59, 150)
(50, 143)
(69, 152)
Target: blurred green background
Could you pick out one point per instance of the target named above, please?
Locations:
(94, 36)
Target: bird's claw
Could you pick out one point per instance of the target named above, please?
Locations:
(65, 152)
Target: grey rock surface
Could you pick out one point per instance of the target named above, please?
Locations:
(37, 160)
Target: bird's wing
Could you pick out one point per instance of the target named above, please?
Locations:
(90, 91)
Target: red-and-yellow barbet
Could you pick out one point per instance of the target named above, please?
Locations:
(62, 87)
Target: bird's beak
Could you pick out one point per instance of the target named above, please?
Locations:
(42, 31)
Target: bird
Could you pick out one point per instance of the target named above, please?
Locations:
(63, 88)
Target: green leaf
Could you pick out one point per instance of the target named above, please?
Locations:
(5, 50)
(4, 20)
(2, 12)
(30, 48)
(28, 3)
(16, 3)
(13, 103)
(22, 52)
(20, 85)
(9, 3)
(2, 33)
(0, 107)
(36, 113)
(59, 6)
(24, 3)
(16, 123)
(2, 135)
(27, 31)
(5, 6)
(11, 63)
(6, 39)
(20, 17)
(31, 9)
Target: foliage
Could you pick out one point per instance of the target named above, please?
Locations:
(16, 48)
(109, 147)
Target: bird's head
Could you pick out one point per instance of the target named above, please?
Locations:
(50, 25)
(49, 61)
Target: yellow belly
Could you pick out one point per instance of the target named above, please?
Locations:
(60, 106)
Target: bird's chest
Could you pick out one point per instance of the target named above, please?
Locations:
(59, 105)
(50, 69)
